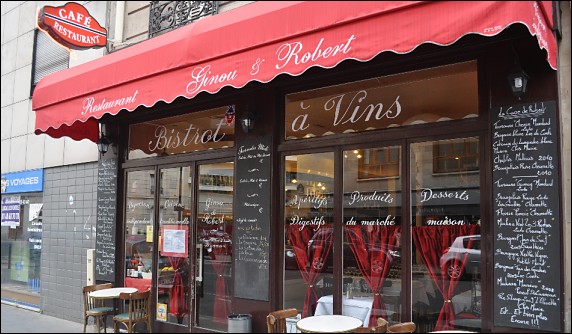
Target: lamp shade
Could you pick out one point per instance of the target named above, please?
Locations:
(518, 80)
(103, 144)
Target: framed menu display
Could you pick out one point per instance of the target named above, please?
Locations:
(527, 229)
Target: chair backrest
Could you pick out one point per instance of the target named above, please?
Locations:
(381, 326)
(404, 327)
(91, 303)
(276, 320)
(139, 305)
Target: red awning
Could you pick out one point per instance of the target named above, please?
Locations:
(259, 41)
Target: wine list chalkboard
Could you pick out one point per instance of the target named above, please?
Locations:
(526, 217)
(252, 220)
(105, 224)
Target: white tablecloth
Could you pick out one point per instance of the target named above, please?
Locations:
(358, 307)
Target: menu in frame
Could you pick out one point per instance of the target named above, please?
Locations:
(252, 222)
(106, 219)
(526, 240)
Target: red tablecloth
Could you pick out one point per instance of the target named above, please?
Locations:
(141, 284)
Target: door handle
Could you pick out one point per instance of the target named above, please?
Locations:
(199, 262)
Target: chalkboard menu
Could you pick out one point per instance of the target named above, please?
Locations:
(252, 220)
(105, 225)
(526, 217)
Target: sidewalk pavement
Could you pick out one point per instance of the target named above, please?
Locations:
(21, 320)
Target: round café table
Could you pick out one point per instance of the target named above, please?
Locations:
(111, 293)
(331, 323)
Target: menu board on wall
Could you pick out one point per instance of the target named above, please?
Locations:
(252, 220)
(526, 217)
(106, 220)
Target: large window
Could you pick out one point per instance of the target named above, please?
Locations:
(442, 281)
(22, 228)
(49, 57)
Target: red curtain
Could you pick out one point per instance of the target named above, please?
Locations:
(220, 261)
(431, 243)
(178, 299)
(312, 249)
(371, 246)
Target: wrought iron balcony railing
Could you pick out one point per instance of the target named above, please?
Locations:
(169, 15)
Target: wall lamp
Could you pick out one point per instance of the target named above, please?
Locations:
(517, 79)
(247, 122)
(103, 144)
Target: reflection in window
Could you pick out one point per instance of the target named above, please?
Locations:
(377, 162)
(456, 155)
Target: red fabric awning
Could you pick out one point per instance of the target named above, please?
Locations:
(259, 41)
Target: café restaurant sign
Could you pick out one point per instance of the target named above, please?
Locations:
(72, 26)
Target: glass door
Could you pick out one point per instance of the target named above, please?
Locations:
(157, 234)
(173, 256)
(214, 222)
(178, 242)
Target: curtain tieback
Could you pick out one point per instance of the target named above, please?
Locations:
(310, 285)
(448, 301)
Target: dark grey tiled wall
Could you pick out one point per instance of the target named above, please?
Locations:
(69, 217)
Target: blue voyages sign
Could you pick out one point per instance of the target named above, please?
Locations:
(23, 182)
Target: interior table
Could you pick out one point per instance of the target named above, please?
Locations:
(333, 323)
(357, 307)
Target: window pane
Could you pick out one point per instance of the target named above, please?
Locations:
(173, 254)
(214, 245)
(372, 237)
(446, 236)
(139, 212)
(49, 56)
(456, 155)
(308, 257)
(380, 166)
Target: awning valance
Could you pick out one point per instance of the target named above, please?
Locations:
(259, 41)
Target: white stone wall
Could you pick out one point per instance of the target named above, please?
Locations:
(21, 148)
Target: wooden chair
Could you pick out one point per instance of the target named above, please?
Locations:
(403, 327)
(138, 311)
(276, 321)
(96, 307)
(380, 327)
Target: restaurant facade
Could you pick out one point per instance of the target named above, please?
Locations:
(402, 160)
